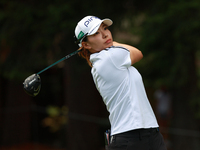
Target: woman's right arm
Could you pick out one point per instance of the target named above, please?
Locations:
(135, 54)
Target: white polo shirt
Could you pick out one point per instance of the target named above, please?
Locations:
(122, 90)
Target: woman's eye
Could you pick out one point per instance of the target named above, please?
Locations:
(105, 28)
(97, 33)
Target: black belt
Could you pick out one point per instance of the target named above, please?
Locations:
(136, 133)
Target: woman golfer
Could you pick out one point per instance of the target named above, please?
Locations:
(133, 123)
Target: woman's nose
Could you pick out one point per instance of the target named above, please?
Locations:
(104, 34)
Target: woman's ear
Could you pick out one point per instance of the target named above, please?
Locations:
(86, 45)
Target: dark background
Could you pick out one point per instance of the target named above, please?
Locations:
(69, 113)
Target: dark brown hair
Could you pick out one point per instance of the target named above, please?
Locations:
(85, 53)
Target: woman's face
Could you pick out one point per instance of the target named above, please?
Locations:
(100, 40)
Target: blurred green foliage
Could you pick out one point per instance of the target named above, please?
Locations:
(35, 34)
(56, 119)
(171, 40)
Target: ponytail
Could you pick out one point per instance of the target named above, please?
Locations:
(85, 53)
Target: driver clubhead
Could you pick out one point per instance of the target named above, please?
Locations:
(32, 85)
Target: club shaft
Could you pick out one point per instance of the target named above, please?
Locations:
(64, 58)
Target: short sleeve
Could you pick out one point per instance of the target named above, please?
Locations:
(120, 57)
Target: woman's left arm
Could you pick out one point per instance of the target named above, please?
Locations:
(135, 54)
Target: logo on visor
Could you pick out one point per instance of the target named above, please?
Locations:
(80, 35)
(86, 23)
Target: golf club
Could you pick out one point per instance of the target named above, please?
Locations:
(32, 84)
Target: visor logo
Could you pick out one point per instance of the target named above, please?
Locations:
(86, 23)
(80, 35)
